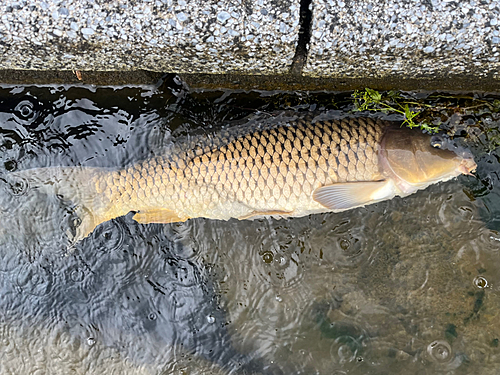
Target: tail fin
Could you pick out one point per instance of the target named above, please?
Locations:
(72, 184)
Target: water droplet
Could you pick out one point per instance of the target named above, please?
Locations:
(108, 236)
(480, 282)
(210, 319)
(19, 187)
(282, 261)
(344, 244)
(440, 351)
(345, 354)
(90, 341)
(25, 110)
(267, 257)
(77, 275)
(34, 280)
(152, 316)
(10, 165)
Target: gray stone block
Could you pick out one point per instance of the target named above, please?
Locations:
(404, 38)
(226, 36)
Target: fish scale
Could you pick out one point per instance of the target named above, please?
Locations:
(273, 170)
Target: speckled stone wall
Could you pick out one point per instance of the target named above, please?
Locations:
(404, 38)
(348, 38)
(185, 36)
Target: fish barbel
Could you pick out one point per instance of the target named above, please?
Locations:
(290, 169)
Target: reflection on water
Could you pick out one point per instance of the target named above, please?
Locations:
(405, 286)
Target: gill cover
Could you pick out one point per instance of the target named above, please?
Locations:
(408, 157)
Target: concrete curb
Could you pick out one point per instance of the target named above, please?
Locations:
(404, 38)
(334, 39)
(163, 35)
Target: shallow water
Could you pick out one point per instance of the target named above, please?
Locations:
(404, 286)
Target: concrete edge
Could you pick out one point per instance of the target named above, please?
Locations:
(249, 82)
(101, 78)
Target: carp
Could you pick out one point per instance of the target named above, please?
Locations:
(291, 168)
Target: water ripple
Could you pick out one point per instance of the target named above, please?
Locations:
(405, 286)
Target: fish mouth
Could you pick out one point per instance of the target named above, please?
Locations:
(467, 166)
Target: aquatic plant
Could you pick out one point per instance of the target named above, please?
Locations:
(392, 101)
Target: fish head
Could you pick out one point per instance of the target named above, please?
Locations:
(415, 160)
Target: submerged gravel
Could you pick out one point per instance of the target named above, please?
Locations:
(404, 38)
(162, 35)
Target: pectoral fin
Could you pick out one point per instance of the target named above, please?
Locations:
(344, 196)
(159, 216)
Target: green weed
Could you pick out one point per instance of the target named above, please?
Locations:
(392, 101)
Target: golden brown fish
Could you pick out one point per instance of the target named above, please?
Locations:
(289, 169)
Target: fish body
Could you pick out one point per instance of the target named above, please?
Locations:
(273, 170)
(290, 169)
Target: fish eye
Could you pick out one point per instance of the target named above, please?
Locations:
(437, 141)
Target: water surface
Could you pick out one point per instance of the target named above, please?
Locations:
(408, 285)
